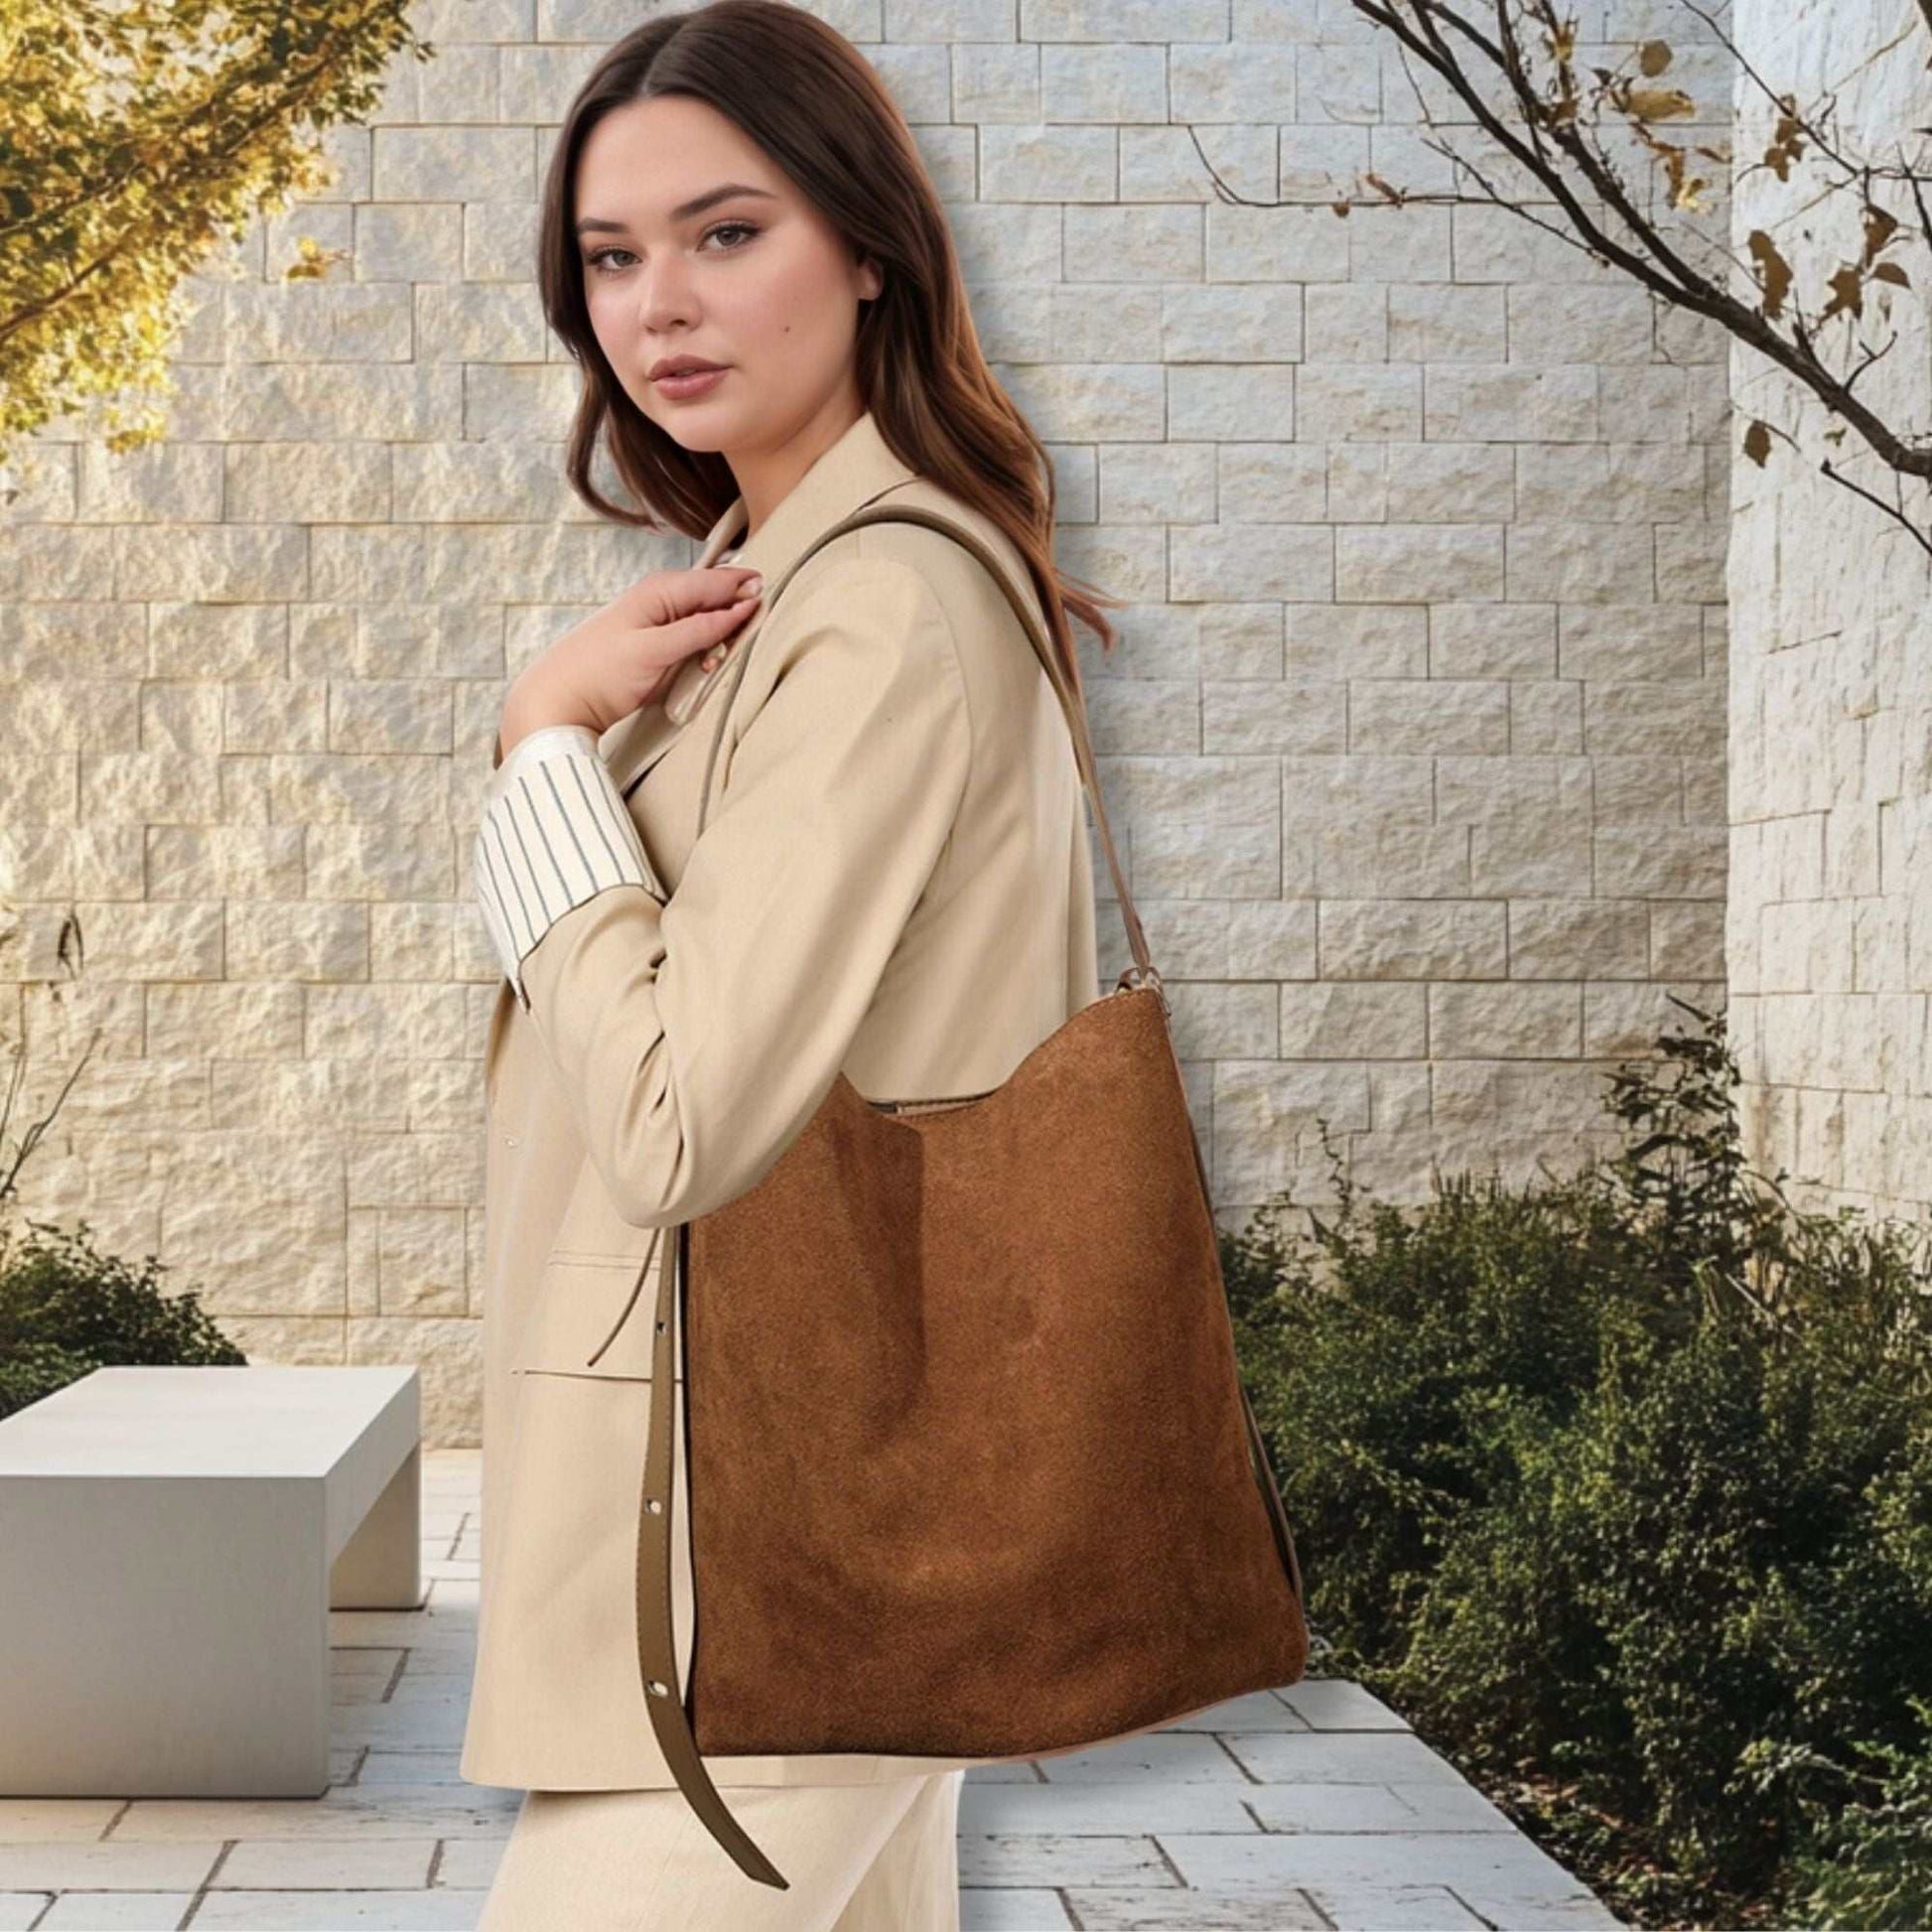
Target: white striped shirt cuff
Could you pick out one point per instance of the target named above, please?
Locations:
(555, 831)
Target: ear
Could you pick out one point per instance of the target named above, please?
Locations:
(872, 278)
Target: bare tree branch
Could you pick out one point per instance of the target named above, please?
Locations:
(1541, 110)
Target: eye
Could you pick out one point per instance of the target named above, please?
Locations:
(597, 258)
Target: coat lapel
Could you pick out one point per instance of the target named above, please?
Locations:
(850, 474)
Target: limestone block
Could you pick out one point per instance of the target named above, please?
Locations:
(1662, 862)
(1546, 716)
(1578, 939)
(1571, 322)
(1450, 483)
(1171, 483)
(1492, 640)
(1642, 641)
(1034, 162)
(1435, 323)
(481, 482)
(1485, 403)
(418, 164)
(1291, 561)
(1216, 1021)
(1239, 401)
(1161, 164)
(1406, 560)
(1104, 80)
(994, 82)
(1224, 81)
(1413, 939)
(1297, 716)
(1603, 563)
(1355, 640)
(1230, 322)
(1520, 1021)
(319, 322)
(410, 242)
(376, 401)
(1686, 939)
(1271, 941)
(1352, 1021)
(1264, 1110)
(1375, 402)
(1626, 1021)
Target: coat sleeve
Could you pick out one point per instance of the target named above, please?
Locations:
(554, 833)
(696, 1037)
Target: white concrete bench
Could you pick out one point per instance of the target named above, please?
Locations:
(171, 1541)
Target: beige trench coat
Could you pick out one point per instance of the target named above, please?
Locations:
(895, 882)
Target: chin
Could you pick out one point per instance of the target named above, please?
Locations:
(682, 424)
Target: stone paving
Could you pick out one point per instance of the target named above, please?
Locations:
(1311, 1807)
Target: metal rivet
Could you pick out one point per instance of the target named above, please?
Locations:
(662, 1327)
(654, 1506)
(658, 1690)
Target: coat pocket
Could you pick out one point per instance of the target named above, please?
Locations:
(595, 1314)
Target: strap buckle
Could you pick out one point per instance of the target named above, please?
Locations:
(1138, 975)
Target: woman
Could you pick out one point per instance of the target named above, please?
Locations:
(893, 881)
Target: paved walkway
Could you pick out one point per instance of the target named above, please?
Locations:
(1311, 1807)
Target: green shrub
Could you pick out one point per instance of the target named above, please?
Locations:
(1619, 1486)
(1867, 1866)
(67, 1311)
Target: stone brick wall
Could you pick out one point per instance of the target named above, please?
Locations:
(1413, 745)
(1830, 946)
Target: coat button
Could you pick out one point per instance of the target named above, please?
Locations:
(509, 1140)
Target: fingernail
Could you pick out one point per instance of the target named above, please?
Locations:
(750, 587)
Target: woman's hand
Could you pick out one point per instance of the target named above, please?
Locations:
(624, 656)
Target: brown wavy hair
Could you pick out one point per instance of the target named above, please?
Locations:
(808, 97)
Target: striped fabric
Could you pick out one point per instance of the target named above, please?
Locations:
(554, 833)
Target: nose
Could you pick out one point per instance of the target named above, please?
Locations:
(665, 302)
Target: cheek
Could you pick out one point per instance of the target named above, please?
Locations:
(791, 300)
(606, 313)
(618, 342)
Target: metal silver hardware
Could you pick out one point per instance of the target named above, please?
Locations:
(1137, 976)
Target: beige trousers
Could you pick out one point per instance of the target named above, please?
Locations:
(858, 1857)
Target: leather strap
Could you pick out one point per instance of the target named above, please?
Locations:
(657, 1642)
(1065, 678)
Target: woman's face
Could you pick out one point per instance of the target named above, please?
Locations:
(756, 280)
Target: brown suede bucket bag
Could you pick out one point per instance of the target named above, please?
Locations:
(971, 1470)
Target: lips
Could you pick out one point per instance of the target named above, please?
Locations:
(689, 388)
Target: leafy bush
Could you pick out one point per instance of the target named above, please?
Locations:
(67, 1311)
(1867, 1866)
(1619, 1486)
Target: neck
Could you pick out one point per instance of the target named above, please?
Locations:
(766, 477)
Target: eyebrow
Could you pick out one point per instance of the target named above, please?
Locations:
(684, 211)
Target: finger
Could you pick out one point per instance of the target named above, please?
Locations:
(673, 594)
(702, 629)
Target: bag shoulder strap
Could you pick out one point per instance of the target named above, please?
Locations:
(656, 1643)
(1065, 683)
